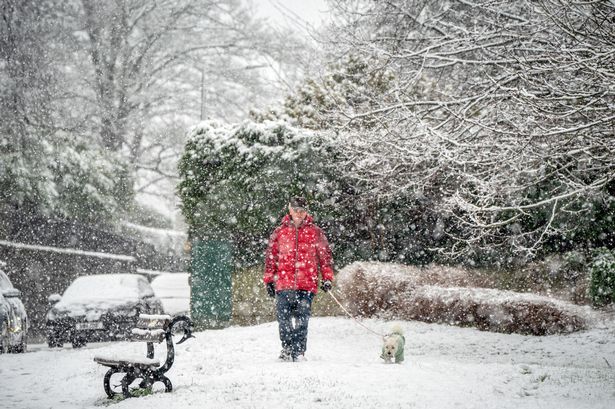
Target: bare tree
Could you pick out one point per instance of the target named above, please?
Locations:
(146, 70)
(138, 51)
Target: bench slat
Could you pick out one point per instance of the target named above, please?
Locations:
(151, 321)
(153, 335)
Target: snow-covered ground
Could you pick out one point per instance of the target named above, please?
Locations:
(445, 367)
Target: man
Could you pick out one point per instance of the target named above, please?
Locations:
(298, 251)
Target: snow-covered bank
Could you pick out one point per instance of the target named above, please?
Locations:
(237, 368)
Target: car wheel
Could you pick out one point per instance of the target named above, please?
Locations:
(53, 339)
(20, 349)
(78, 342)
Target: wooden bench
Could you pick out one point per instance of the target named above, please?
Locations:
(150, 329)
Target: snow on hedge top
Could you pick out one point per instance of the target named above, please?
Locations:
(430, 275)
(250, 139)
(495, 297)
(217, 130)
(104, 288)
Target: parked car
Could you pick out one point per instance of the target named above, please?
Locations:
(173, 290)
(99, 308)
(13, 318)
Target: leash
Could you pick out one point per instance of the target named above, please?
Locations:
(350, 315)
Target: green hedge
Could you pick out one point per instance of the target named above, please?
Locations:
(602, 285)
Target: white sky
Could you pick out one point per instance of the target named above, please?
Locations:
(293, 13)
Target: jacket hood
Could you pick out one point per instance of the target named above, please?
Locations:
(287, 220)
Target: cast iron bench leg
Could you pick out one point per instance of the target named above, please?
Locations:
(107, 382)
(168, 386)
(126, 381)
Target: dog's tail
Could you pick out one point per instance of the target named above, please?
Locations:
(397, 330)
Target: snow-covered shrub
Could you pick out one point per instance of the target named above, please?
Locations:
(24, 176)
(370, 287)
(91, 184)
(491, 310)
(440, 294)
(602, 285)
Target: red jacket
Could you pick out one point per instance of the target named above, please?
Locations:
(295, 256)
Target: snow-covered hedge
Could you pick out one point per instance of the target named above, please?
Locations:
(440, 294)
(236, 179)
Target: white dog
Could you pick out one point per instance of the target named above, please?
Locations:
(393, 347)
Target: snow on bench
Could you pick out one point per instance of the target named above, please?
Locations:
(150, 328)
(121, 361)
(160, 317)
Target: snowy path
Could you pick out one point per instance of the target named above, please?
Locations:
(445, 367)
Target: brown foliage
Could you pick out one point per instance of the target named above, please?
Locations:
(439, 294)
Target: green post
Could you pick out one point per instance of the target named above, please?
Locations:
(210, 287)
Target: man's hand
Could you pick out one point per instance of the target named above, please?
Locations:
(271, 289)
(326, 285)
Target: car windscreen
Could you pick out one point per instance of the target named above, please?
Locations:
(5, 283)
(103, 287)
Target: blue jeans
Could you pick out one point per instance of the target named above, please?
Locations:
(294, 309)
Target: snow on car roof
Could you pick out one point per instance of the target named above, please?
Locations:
(173, 289)
(171, 285)
(106, 287)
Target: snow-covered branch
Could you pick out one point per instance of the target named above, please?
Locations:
(500, 114)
